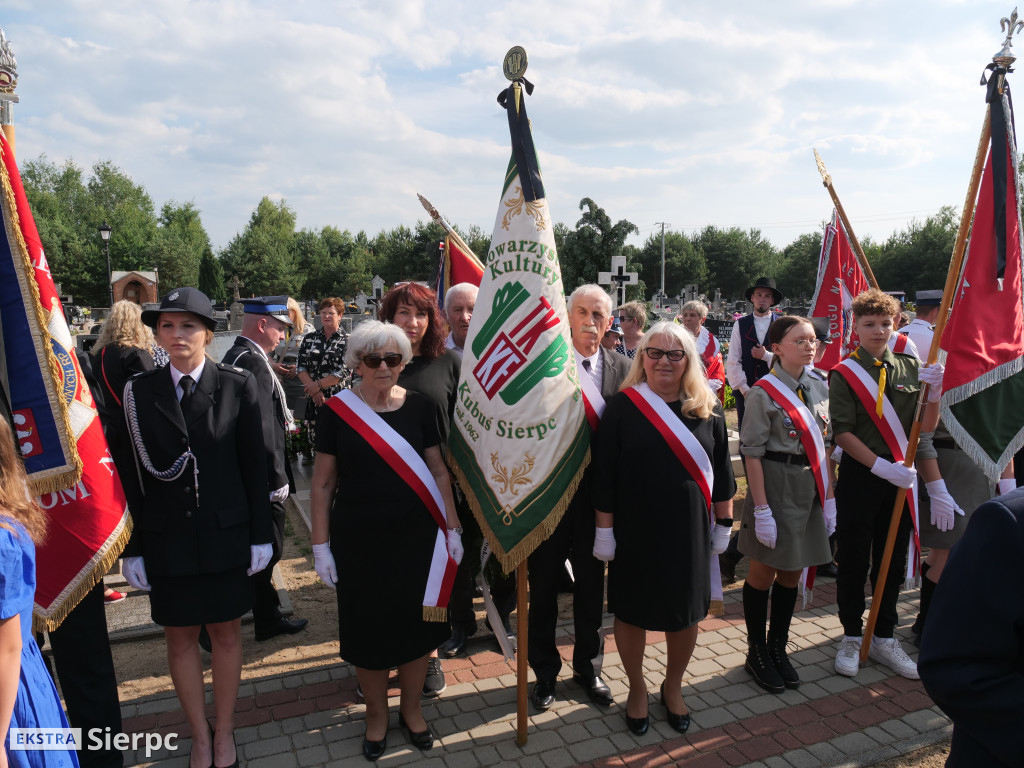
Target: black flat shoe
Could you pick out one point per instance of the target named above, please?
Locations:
(372, 750)
(597, 689)
(424, 740)
(282, 626)
(543, 694)
(213, 764)
(679, 723)
(638, 725)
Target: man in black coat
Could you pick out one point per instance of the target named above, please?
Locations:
(972, 648)
(265, 324)
(590, 316)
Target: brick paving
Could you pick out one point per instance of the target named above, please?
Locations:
(312, 717)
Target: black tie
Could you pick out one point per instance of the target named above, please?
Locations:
(186, 383)
(586, 366)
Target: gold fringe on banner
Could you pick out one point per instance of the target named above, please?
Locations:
(717, 608)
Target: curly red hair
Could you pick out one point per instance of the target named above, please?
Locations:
(422, 298)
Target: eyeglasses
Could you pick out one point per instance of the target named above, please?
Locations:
(675, 355)
(373, 361)
(805, 343)
(624, 319)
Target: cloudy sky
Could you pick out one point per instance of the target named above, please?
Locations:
(690, 113)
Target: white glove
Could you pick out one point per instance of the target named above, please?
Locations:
(323, 562)
(280, 494)
(604, 544)
(764, 526)
(932, 376)
(134, 572)
(720, 538)
(894, 472)
(830, 516)
(259, 557)
(942, 504)
(455, 549)
(1005, 486)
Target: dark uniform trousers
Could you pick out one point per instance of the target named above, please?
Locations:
(864, 505)
(266, 602)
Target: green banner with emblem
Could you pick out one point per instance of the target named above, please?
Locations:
(520, 440)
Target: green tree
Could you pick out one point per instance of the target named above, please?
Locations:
(589, 248)
(735, 258)
(684, 264)
(180, 244)
(917, 258)
(211, 277)
(128, 209)
(799, 272)
(261, 255)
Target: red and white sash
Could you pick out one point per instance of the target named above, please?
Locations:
(690, 454)
(402, 457)
(707, 345)
(900, 343)
(679, 439)
(593, 402)
(889, 426)
(810, 434)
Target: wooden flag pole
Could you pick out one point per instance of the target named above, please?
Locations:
(522, 653)
(437, 217)
(826, 180)
(955, 264)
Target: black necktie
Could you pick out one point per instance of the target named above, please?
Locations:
(186, 383)
(586, 366)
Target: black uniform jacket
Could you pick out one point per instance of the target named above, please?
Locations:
(176, 534)
(245, 354)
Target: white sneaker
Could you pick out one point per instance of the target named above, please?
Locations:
(848, 656)
(888, 651)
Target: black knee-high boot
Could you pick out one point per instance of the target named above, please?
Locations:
(927, 590)
(759, 666)
(783, 604)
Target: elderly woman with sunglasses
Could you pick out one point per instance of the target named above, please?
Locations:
(662, 491)
(383, 513)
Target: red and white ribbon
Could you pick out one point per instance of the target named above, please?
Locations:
(593, 402)
(409, 465)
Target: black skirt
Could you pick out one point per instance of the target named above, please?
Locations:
(203, 598)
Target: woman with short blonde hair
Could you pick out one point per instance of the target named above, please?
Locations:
(632, 318)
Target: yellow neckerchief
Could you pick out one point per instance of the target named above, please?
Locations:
(881, 382)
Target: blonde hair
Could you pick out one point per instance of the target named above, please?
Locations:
(15, 502)
(296, 315)
(698, 399)
(636, 311)
(124, 328)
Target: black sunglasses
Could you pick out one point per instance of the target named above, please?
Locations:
(675, 355)
(373, 361)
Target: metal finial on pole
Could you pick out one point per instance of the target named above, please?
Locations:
(826, 180)
(1005, 57)
(8, 82)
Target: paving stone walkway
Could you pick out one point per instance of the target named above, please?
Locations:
(312, 718)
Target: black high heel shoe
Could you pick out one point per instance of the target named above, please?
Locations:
(638, 725)
(213, 763)
(372, 750)
(424, 739)
(679, 723)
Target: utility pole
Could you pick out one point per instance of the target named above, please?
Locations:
(663, 225)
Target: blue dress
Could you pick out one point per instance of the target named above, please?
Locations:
(36, 704)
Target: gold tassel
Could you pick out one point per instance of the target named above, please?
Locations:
(717, 608)
(435, 613)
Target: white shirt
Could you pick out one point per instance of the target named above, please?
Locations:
(450, 344)
(920, 334)
(734, 365)
(195, 373)
(596, 366)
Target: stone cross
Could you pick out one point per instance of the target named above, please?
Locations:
(619, 278)
(235, 285)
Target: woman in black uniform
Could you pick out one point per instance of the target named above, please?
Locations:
(201, 509)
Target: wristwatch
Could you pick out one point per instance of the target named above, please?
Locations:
(456, 530)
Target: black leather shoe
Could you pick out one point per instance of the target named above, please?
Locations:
(454, 645)
(597, 690)
(680, 723)
(638, 725)
(204, 639)
(543, 694)
(372, 750)
(282, 626)
(827, 570)
(424, 740)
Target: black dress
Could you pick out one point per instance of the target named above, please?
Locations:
(438, 379)
(382, 538)
(660, 577)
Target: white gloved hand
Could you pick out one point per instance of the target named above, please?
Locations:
(280, 494)
(720, 538)
(830, 516)
(932, 376)
(1006, 485)
(764, 526)
(259, 557)
(942, 504)
(894, 472)
(455, 549)
(134, 572)
(323, 563)
(837, 454)
(604, 544)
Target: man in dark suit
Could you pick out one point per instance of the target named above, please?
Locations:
(972, 648)
(590, 316)
(264, 325)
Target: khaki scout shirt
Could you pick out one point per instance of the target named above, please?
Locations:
(902, 387)
(767, 426)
